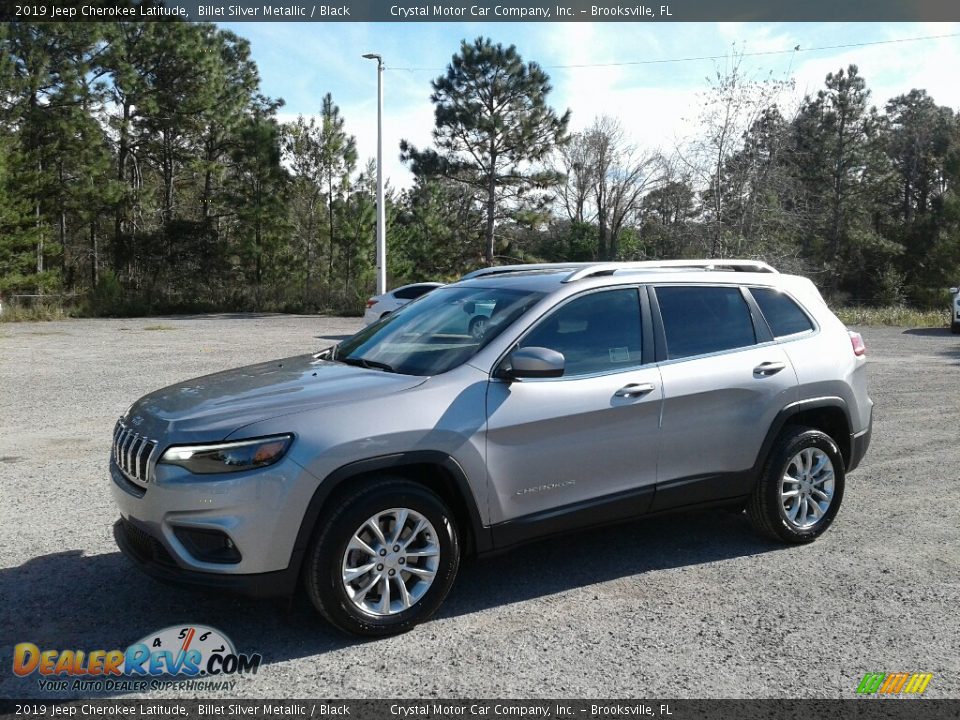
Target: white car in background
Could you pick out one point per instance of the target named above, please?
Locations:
(955, 311)
(380, 305)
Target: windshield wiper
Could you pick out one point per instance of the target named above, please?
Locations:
(369, 364)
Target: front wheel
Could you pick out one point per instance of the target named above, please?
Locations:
(384, 558)
(801, 488)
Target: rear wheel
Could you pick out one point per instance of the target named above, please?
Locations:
(955, 328)
(384, 558)
(801, 489)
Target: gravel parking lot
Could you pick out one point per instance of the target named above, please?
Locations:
(685, 606)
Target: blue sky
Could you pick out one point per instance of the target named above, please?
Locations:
(656, 103)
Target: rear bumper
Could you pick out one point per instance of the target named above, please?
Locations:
(859, 444)
(149, 555)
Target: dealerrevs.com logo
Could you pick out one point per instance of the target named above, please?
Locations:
(195, 656)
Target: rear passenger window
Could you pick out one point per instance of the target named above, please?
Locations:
(701, 320)
(783, 315)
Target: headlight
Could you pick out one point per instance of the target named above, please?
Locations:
(229, 456)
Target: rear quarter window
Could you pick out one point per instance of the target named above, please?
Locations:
(412, 292)
(782, 314)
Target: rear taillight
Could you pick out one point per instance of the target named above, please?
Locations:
(371, 302)
(856, 340)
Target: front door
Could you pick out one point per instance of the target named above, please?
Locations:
(586, 435)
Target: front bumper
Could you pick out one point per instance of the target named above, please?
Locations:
(149, 555)
(259, 511)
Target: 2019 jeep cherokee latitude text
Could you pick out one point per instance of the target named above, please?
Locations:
(596, 393)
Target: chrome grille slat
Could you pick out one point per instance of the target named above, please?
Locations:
(126, 451)
(147, 465)
(133, 453)
(136, 466)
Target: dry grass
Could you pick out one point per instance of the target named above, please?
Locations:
(894, 315)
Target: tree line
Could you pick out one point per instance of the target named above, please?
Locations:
(142, 169)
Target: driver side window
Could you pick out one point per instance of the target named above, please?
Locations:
(597, 333)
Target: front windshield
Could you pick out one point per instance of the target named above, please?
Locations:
(437, 333)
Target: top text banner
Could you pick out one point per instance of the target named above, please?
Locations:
(489, 11)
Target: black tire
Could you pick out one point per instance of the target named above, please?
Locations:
(765, 507)
(335, 528)
(955, 328)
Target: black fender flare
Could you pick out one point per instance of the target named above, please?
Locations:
(481, 534)
(791, 411)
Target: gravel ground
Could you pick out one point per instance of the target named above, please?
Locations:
(686, 606)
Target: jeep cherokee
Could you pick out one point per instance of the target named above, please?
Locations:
(593, 394)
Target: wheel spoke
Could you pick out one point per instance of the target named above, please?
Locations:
(404, 593)
(821, 493)
(803, 512)
(789, 493)
(821, 462)
(360, 594)
(374, 524)
(421, 572)
(827, 475)
(792, 512)
(384, 606)
(355, 573)
(357, 543)
(421, 524)
(815, 508)
(432, 551)
(402, 516)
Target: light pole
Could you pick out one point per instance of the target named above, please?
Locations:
(381, 212)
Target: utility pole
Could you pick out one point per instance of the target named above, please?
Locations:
(381, 210)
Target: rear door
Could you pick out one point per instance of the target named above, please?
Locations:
(588, 434)
(724, 381)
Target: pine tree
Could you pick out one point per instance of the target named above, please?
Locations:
(494, 130)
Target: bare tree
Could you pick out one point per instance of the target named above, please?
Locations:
(731, 106)
(606, 179)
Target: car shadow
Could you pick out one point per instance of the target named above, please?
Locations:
(929, 332)
(101, 602)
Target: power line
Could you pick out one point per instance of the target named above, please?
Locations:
(796, 49)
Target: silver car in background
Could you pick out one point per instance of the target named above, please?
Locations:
(593, 394)
(379, 306)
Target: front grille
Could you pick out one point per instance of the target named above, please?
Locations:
(132, 452)
(145, 545)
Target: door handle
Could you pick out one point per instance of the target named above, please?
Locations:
(634, 390)
(768, 368)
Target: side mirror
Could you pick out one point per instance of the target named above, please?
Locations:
(533, 362)
(954, 291)
(470, 307)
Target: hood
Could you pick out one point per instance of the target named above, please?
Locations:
(213, 406)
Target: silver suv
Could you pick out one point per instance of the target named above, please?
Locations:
(595, 394)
